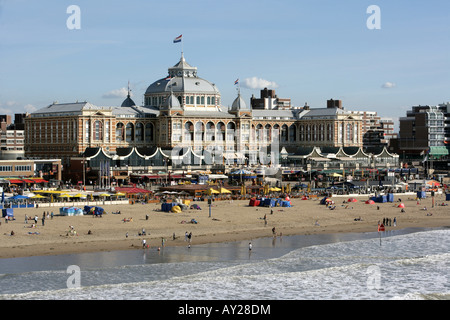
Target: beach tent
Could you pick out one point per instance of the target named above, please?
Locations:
(176, 209)
(370, 202)
(352, 200)
(447, 197)
(196, 207)
(9, 212)
(167, 207)
(401, 205)
(286, 204)
(325, 200)
(70, 211)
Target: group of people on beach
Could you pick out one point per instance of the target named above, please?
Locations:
(388, 222)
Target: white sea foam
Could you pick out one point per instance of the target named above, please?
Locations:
(411, 266)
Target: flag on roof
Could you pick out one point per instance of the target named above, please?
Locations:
(178, 39)
(237, 81)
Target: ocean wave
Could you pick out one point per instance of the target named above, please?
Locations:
(412, 266)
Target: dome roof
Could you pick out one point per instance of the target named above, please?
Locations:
(239, 104)
(182, 78)
(171, 103)
(128, 102)
(182, 84)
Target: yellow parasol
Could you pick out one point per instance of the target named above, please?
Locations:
(223, 190)
(38, 196)
(210, 191)
(65, 195)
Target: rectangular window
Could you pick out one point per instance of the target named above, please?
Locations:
(22, 168)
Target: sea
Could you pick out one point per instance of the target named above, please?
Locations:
(406, 264)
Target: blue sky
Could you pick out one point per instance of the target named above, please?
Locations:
(309, 51)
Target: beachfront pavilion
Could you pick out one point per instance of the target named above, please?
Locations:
(182, 110)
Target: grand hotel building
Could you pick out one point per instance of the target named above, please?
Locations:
(184, 110)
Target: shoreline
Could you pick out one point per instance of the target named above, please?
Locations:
(230, 222)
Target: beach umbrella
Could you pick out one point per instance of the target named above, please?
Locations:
(223, 190)
(211, 191)
(274, 189)
(80, 195)
(38, 196)
(401, 205)
(64, 195)
(18, 197)
(336, 175)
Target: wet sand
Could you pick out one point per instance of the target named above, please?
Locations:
(229, 221)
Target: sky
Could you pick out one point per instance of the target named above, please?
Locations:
(309, 51)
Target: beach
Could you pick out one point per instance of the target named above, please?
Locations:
(230, 221)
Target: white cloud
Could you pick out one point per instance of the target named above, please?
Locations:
(258, 83)
(114, 94)
(388, 85)
(30, 108)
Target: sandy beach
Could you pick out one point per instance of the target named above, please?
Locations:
(229, 221)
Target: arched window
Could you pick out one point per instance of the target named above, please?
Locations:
(188, 131)
(130, 132)
(284, 133)
(220, 131)
(149, 132)
(268, 132)
(349, 132)
(198, 100)
(210, 131)
(139, 132)
(98, 130)
(199, 130)
(292, 133)
(120, 132)
(231, 130)
(208, 101)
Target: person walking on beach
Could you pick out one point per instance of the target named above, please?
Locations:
(26, 219)
(144, 242)
(250, 246)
